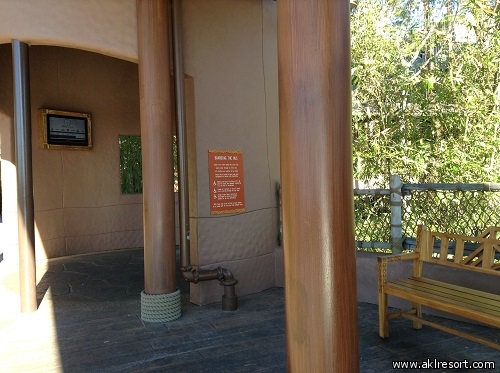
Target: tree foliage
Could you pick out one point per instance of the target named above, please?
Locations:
(426, 90)
(131, 164)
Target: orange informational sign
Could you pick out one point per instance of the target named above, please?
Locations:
(227, 189)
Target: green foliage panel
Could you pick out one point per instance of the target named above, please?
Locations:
(130, 164)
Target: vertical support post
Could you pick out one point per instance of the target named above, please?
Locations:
(181, 136)
(316, 178)
(396, 214)
(25, 203)
(157, 161)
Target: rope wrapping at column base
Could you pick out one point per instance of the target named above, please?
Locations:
(160, 307)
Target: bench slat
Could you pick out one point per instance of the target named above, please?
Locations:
(445, 299)
(479, 293)
(414, 293)
(459, 292)
(460, 295)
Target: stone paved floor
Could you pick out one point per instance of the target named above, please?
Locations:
(88, 321)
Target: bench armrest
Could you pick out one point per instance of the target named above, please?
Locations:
(397, 257)
(382, 266)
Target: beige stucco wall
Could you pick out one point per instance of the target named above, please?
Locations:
(230, 51)
(78, 204)
(80, 190)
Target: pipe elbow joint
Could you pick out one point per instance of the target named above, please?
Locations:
(226, 277)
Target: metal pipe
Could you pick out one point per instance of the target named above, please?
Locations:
(25, 203)
(190, 274)
(181, 136)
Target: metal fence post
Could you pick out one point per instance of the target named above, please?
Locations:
(396, 226)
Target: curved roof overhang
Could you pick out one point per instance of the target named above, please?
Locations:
(107, 27)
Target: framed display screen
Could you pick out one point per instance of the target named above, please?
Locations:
(64, 129)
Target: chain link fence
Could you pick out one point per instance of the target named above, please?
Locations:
(372, 217)
(466, 209)
(387, 219)
(458, 212)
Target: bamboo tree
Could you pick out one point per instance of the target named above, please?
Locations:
(426, 90)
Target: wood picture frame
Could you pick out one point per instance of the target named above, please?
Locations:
(64, 130)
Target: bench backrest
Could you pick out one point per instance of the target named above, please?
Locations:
(450, 250)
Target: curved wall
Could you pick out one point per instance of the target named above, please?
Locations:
(230, 50)
(78, 204)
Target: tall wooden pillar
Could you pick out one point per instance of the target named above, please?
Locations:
(157, 150)
(25, 203)
(317, 190)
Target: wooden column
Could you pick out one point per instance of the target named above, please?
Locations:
(25, 203)
(317, 186)
(157, 150)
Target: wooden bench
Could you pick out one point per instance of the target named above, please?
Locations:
(458, 300)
